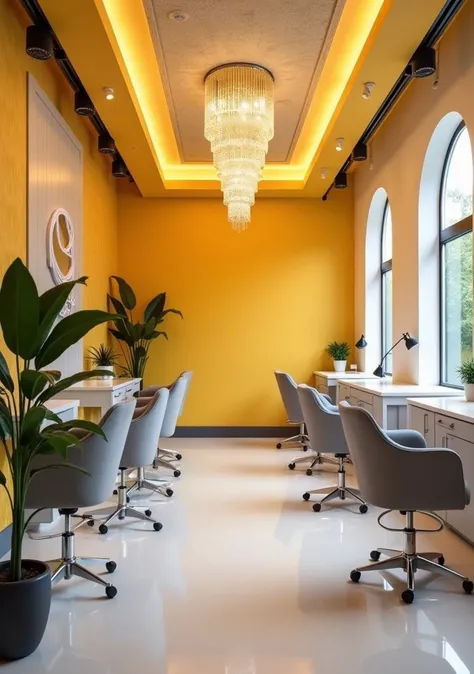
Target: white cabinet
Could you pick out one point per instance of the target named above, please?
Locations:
(463, 520)
(423, 421)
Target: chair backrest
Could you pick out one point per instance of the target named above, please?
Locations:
(144, 433)
(178, 391)
(396, 477)
(69, 488)
(289, 395)
(323, 422)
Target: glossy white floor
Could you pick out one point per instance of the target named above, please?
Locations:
(245, 578)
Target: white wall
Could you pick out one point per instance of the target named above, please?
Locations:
(398, 155)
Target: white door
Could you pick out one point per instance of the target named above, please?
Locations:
(54, 186)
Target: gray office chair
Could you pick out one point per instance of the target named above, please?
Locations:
(289, 396)
(404, 475)
(138, 452)
(69, 489)
(326, 435)
(178, 391)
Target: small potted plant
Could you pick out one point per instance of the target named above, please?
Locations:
(103, 357)
(466, 374)
(35, 338)
(339, 352)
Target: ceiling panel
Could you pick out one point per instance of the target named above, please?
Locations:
(289, 37)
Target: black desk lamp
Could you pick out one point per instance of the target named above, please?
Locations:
(410, 342)
(361, 343)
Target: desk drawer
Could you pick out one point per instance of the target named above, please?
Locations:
(118, 395)
(460, 429)
(319, 381)
(344, 392)
(362, 395)
(130, 390)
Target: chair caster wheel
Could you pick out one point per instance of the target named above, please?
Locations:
(291, 466)
(110, 591)
(403, 512)
(177, 473)
(306, 496)
(278, 445)
(90, 523)
(157, 526)
(408, 596)
(355, 576)
(111, 566)
(103, 529)
(148, 513)
(179, 457)
(375, 555)
(305, 448)
(169, 492)
(128, 499)
(115, 492)
(441, 560)
(467, 586)
(317, 507)
(309, 471)
(363, 508)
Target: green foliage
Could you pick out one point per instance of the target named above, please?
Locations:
(135, 338)
(103, 355)
(466, 371)
(338, 350)
(27, 321)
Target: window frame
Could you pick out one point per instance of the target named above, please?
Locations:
(384, 268)
(446, 235)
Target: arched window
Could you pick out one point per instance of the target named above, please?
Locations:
(387, 294)
(456, 256)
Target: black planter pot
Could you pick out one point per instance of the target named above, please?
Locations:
(24, 611)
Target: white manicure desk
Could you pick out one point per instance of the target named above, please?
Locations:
(326, 381)
(102, 393)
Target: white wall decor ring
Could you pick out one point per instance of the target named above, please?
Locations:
(60, 252)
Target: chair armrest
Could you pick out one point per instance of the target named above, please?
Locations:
(149, 391)
(407, 438)
(327, 398)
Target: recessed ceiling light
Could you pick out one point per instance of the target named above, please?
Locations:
(339, 144)
(367, 93)
(109, 93)
(178, 15)
(324, 173)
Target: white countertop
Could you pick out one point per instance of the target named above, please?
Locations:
(349, 374)
(57, 405)
(102, 384)
(385, 388)
(457, 408)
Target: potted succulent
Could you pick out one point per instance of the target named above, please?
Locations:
(466, 374)
(339, 352)
(35, 339)
(133, 338)
(104, 357)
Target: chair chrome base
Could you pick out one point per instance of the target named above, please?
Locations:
(122, 510)
(68, 565)
(159, 462)
(409, 559)
(171, 454)
(314, 459)
(143, 482)
(301, 439)
(341, 491)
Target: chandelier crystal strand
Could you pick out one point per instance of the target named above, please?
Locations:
(239, 124)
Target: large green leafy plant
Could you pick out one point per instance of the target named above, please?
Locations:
(35, 338)
(135, 338)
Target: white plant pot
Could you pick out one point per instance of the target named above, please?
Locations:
(340, 365)
(110, 368)
(469, 392)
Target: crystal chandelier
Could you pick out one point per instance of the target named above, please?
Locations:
(239, 124)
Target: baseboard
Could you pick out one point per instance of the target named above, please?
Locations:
(5, 537)
(235, 431)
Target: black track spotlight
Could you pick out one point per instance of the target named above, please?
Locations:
(83, 104)
(60, 54)
(423, 63)
(106, 144)
(39, 43)
(119, 170)
(359, 153)
(340, 181)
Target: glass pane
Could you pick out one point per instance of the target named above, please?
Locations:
(387, 319)
(457, 305)
(387, 234)
(457, 192)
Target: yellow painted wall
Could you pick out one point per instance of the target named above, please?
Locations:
(269, 298)
(99, 197)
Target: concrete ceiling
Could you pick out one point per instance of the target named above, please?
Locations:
(291, 38)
